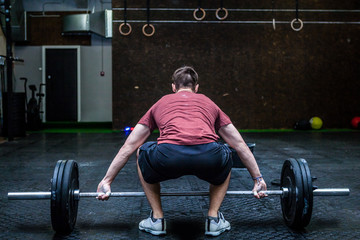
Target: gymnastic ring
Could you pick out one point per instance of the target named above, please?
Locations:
(121, 27)
(217, 13)
(152, 31)
(297, 20)
(203, 14)
(274, 24)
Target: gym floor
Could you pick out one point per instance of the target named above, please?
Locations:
(27, 165)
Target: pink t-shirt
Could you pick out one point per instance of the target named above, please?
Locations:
(185, 118)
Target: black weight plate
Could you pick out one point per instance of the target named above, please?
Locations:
(292, 205)
(54, 179)
(65, 206)
(55, 194)
(69, 203)
(308, 192)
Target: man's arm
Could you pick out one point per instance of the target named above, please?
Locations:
(232, 136)
(137, 137)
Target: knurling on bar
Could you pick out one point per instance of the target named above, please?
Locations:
(284, 192)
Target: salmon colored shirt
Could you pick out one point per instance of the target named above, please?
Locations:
(185, 118)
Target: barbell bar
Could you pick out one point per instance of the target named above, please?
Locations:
(77, 194)
(296, 194)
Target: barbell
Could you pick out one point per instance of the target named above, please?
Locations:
(296, 193)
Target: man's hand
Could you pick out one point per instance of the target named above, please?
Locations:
(133, 142)
(104, 191)
(259, 185)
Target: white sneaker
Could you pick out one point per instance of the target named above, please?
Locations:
(216, 226)
(153, 225)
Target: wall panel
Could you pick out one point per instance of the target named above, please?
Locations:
(261, 77)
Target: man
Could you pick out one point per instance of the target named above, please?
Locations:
(187, 122)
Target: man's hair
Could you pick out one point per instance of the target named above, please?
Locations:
(185, 77)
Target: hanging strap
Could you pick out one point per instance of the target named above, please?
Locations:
(221, 9)
(125, 24)
(148, 11)
(152, 28)
(273, 13)
(125, 12)
(297, 19)
(199, 9)
(273, 6)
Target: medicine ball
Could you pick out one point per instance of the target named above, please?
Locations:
(316, 123)
(302, 125)
(355, 122)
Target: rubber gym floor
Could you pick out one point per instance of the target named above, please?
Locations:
(27, 165)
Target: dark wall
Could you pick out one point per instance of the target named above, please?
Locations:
(261, 77)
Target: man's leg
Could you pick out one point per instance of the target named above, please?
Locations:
(217, 194)
(152, 192)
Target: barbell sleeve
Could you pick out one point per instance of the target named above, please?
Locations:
(331, 192)
(78, 194)
(29, 195)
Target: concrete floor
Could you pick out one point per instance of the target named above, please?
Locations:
(27, 164)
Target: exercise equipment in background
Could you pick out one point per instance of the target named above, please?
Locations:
(355, 122)
(33, 119)
(302, 124)
(316, 123)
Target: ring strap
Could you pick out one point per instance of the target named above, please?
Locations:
(148, 11)
(125, 22)
(197, 10)
(148, 21)
(125, 12)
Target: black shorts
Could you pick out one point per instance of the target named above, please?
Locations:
(211, 162)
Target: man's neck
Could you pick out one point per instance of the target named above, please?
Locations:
(185, 90)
